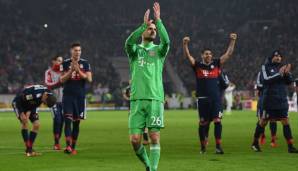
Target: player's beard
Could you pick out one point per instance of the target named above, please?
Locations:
(149, 39)
(207, 61)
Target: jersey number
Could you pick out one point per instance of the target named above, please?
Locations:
(156, 121)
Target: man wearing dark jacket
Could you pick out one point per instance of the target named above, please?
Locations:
(275, 77)
(272, 123)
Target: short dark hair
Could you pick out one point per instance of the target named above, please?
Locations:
(54, 58)
(51, 100)
(75, 44)
(205, 49)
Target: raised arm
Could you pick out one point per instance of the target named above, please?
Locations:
(230, 50)
(132, 40)
(164, 37)
(186, 52)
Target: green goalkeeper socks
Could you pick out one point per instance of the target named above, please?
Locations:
(154, 156)
(142, 155)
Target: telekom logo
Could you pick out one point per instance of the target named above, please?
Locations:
(205, 73)
(142, 62)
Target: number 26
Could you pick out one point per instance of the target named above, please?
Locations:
(156, 121)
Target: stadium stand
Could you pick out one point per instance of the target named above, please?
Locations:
(27, 44)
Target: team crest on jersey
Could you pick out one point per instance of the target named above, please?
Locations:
(212, 66)
(272, 70)
(81, 65)
(152, 53)
(29, 97)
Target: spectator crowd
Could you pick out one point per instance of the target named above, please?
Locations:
(32, 32)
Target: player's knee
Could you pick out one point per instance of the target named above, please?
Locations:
(285, 121)
(203, 123)
(154, 136)
(24, 122)
(135, 139)
(217, 120)
(263, 122)
(36, 126)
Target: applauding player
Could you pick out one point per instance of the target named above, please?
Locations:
(275, 78)
(146, 62)
(76, 72)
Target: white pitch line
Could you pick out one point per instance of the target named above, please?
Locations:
(41, 150)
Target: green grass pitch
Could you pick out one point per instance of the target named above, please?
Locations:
(104, 145)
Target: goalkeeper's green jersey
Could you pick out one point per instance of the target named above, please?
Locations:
(146, 64)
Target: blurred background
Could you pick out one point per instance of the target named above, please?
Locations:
(34, 31)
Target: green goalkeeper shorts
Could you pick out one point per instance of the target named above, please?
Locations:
(145, 114)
